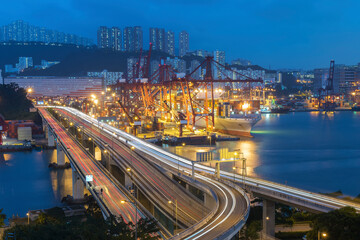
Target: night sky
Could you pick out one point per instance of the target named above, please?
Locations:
(276, 33)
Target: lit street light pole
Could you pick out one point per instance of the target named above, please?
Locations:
(234, 168)
(176, 209)
(136, 213)
(93, 145)
(324, 235)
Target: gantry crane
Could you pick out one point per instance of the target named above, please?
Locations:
(328, 91)
(155, 95)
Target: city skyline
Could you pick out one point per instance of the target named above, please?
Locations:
(182, 119)
(281, 34)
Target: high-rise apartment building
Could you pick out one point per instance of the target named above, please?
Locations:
(170, 43)
(109, 38)
(177, 64)
(128, 39)
(138, 38)
(131, 63)
(219, 56)
(345, 78)
(116, 40)
(21, 31)
(133, 39)
(183, 43)
(24, 63)
(157, 38)
(103, 37)
(193, 65)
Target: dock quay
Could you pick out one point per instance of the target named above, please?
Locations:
(191, 140)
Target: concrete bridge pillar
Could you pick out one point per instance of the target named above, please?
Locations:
(105, 159)
(268, 231)
(78, 186)
(44, 125)
(97, 154)
(209, 201)
(128, 182)
(51, 138)
(61, 157)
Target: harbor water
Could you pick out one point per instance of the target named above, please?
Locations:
(27, 183)
(313, 151)
(310, 150)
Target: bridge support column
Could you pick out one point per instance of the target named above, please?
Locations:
(51, 138)
(44, 126)
(61, 157)
(209, 201)
(128, 182)
(268, 231)
(106, 160)
(97, 153)
(78, 186)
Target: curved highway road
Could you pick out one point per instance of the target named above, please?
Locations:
(233, 205)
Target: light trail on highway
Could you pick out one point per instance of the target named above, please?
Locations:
(163, 189)
(234, 206)
(111, 195)
(171, 159)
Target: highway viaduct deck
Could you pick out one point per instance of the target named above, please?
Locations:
(223, 224)
(270, 192)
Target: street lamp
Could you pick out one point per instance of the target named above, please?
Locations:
(234, 168)
(323, 235)
(209, 137)
(28, 215)
(176, 209)
(93, 145)
(136, 212)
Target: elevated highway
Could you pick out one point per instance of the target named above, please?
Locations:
(112, 195)
(282, 193)
(225, 219)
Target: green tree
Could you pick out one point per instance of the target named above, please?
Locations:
(251, 231)
(53, 225)
(343, 223)
(13, 101)
(2, 218)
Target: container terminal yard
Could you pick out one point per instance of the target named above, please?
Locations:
(174, 108)
(108, 136)
(192, 120)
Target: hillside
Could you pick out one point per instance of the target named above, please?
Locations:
(10, 52)
(78, 63)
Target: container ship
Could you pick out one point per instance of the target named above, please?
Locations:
(234, 119)
(235, 124)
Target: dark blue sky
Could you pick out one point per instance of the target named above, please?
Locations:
(277, 33)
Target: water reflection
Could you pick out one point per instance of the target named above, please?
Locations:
(224, 150)
(26, 182)
(315, 151)
(61, 181)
